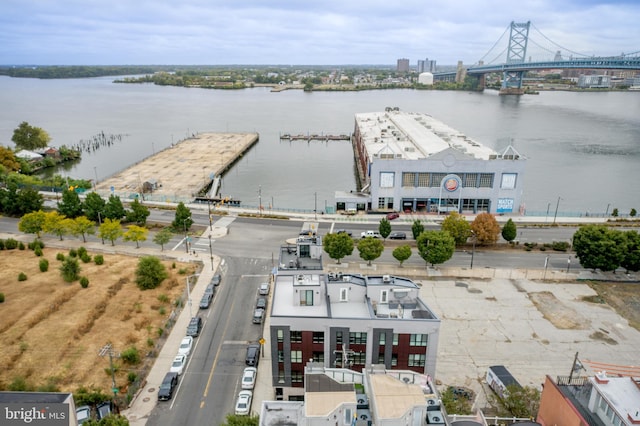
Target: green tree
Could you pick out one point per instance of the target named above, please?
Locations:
(150, 273)
(435, 247)
(30, 137)
(81, 225)
(338, 246)
(598, 247)
(614, 213)
(70, 206)
(138, 213)
(456, 404)
(633, 213)
(509, 231)
(111, 230)
(29, 200)
(458, 227)
(402, 253)
(70, 269)
(55, 223)
(384, 228)
(93, 207)
(631, 261)
(518, 402)
(162, 237)
(486, 229)
(182, 220)
(370, 249)
(32, 223)
(136, 233)
(417, 228)
(234, 420)
(114, 209)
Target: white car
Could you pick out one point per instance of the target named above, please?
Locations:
(185, 346)
(264, 289)
(249, 378)
(243, 404)
(177, 366)
(371, 234)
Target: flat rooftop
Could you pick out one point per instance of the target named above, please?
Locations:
(413, 136)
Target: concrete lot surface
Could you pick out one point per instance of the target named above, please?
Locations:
(532, 328)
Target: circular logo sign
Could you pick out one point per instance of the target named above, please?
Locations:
(451, 184)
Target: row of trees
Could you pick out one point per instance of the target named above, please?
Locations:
(600, 247)
(434, 247)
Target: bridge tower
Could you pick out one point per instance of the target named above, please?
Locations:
(516, 54)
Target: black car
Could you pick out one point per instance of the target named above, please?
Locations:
(194, 327)
(397, 236)
(216, 280)
(261, 303)
(205, 302)
(253, 355)
(343, 231)
(169, 383)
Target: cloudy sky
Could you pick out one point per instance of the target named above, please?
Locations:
(324, 32)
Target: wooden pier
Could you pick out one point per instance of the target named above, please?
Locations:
(314, 137)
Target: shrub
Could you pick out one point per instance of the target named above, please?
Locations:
(22, 276)
(560, 245)
(85, 258)
(19, 384)
(98, 259)
(163, 298)
(73, 252)
(35, 244)
(84, 282)
(131, 377)
(543, 248)
(82, 251)
(130, 355)
(44, 265)
(21, 246)
(162, 310)
(38, 251)
(150, 342)
(70, 269)
(2, 245)
(182, 271)
(1, 297)
(10, 244)
(173, 265)
(60, 257)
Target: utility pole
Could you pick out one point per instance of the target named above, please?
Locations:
(211, 252)
(108, 350)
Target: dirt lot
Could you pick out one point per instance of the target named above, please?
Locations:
(623, 297)
(52, 331)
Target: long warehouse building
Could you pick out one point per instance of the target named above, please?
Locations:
(411, 162)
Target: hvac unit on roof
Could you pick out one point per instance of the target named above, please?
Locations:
(300, 278)
(432, 402)
(386, 278)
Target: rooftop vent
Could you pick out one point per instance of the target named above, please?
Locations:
(386, 278)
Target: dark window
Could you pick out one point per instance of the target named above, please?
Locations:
(318, 337)
(296, 336)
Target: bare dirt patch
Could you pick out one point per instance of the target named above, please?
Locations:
(554, 311)
(52, 331)
(624, 298)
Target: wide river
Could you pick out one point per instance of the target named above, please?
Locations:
(583, 149)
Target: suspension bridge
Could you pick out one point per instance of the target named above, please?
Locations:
(526, 52)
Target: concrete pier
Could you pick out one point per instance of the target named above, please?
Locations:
(182, 170)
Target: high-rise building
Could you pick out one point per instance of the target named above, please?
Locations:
(403, 65)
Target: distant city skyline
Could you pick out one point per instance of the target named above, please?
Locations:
(283, 32)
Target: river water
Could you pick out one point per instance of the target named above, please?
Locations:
(583, 149)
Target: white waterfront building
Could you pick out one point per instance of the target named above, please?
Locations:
(412, 162)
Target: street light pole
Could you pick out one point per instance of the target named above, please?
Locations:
(210, 221)
(210, 252)
(556, 213)
(186, 238)
(260, 199)
(100, 222)
(189, 293)
(95, 183)
(607, 212)
(473, 250)
(546, 218)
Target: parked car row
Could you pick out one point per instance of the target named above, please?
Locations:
(248, 380)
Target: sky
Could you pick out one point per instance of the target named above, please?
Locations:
(304, 32)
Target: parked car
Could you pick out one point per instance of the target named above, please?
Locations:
(194, 327)
(210, 289)
(216, 280)
(104, 409)
(261, 303)
(372, 234)
(397, 236)
(258, 316)
(243, 404)
(393, 215)
(343, 231)
(249, 377)
(205, 302)
(83, 414)
(169, 383)
(177, 366)
(253, 355)
(264, 289)
(185, 346)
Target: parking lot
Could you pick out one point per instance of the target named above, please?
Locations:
(532, 328)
